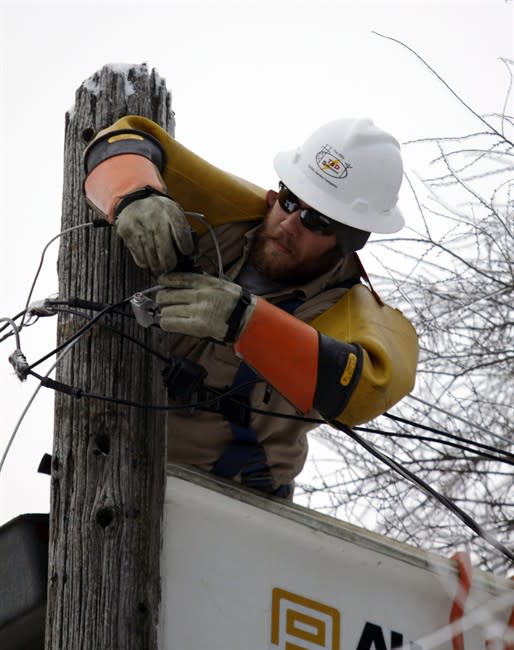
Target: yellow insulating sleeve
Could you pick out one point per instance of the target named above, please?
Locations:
(195, 183)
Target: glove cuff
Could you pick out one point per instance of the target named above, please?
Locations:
(136, 195)
(236, 317)
(123, 141)
(118, 163)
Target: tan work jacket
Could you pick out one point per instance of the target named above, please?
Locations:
(200, 439)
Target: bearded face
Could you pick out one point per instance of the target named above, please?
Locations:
(285, 251)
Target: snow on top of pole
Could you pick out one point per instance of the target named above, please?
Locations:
(126, 70)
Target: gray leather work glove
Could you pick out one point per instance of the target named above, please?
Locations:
(204, 306)
(156, 232)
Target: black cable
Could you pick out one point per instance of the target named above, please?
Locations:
(80, 332)
(11, 332)
(452, 436)
(80, 303)
(15, 318)
(132, 339)
(302, 418)
(104, 308)
(456, 445)
(427, 489)
(78, 393)
(387, 433)
(285, 416)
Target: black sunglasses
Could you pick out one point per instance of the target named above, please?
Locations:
(310, 218)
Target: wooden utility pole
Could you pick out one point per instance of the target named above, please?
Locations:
(109, 460)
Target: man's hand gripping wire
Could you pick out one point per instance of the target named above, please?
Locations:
(146, 310)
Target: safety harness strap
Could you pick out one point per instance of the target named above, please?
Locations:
(244, 454)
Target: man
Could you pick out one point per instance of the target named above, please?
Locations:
(284, 328)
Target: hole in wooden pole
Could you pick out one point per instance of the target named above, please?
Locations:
(88, 134)
(105, 516)
(102, 444)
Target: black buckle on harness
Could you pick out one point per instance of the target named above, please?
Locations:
(183, 379)
(235, 408)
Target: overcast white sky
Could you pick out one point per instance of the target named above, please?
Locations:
(248, 79)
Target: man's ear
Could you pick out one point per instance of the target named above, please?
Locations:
(271, 198)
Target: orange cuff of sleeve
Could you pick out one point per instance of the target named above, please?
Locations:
(116, 177)
(283, 350)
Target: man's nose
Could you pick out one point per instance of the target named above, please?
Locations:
(292, 224)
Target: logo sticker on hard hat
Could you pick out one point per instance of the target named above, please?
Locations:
(332, 163)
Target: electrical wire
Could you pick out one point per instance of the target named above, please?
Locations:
(41, 261)
(33, 320)
(31, 401)
(111, 308)
(427, 489)
(14, 318)
(196, 405)
(452, 436)
(60, 308)
(80, 332)
(509, 458)
(428, 439)
(201, 217)
(435, 407)
(196, 215)
(15, 330)
(61, 351)
(56, 305)
(203, 405)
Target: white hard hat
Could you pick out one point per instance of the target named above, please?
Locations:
(350, 171)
